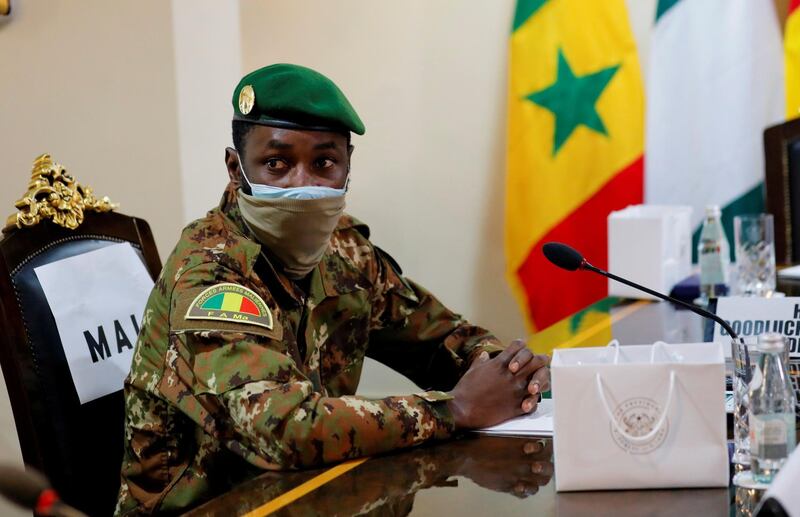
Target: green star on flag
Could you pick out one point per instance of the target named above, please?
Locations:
(572, 98)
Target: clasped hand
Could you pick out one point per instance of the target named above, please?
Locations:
(514, 465)
(496, 389)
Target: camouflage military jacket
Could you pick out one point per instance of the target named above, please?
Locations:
(237, 370)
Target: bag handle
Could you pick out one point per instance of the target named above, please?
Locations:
(615, 424)
(614, 343)
(674, 357)
(659, 345)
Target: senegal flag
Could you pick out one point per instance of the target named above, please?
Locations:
(575, 142)
(792, 60)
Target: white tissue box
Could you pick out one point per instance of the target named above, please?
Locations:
(650, 245)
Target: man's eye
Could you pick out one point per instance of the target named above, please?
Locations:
(324, 163)
(276, 164)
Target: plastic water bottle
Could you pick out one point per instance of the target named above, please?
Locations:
(772, 410)
(713, 253)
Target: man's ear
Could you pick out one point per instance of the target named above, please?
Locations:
(232, 164)
(349, 155)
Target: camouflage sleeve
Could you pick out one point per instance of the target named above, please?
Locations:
(242, 387)
(416, 335)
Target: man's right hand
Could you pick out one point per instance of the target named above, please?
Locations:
(489, 393)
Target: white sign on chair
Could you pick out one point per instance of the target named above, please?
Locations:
(97, 299)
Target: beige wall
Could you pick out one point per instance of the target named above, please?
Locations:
(206, 71)
(92, 83)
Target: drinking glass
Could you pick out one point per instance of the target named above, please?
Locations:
(755, 254)
(745, 359)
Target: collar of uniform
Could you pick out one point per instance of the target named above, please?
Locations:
(338, 273)
(232, 220)
(333, 276)
(274, 278)
(229, 206)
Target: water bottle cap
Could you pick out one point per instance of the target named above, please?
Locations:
(771, 342)
(713, 211)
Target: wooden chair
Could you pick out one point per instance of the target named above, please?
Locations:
(77, 446)
(782, 165)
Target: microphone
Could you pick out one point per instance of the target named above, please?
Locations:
(570, 259)
(31, 490)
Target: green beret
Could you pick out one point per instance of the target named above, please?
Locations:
(294, 97)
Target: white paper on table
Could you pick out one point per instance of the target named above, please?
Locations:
(97, 300)
(538, 423)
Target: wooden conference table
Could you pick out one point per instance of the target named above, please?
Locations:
(481, 475)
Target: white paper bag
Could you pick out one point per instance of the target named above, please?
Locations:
(651, 245)
(647, 416)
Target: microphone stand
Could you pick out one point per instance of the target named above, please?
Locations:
(694, 308)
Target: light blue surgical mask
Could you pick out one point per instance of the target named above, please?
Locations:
(261, 191)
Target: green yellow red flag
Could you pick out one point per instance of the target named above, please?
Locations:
(575, 144)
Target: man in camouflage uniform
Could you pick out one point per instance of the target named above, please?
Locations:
(254, 336)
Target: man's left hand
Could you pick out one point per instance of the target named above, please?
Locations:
(539, 381)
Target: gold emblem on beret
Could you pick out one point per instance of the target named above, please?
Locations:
(247, 97)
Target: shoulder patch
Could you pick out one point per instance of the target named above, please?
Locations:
(231, 303)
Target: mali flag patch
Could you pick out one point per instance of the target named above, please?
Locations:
(232, 303)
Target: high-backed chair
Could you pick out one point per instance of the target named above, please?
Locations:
(77, 446)
(782, 165)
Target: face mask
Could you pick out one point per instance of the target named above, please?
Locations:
(296, 230)
(310, 192)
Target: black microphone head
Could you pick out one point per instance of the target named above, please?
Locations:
(562, 255)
